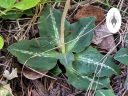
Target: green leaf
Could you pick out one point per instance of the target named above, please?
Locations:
(34, 53)
(28, 12)
(7, 3)
(15, 14)
(12, 15)
(82, 82)
(1, 42)
(81, 34)
(26, 4)
(48, 25)
(102, 92)
(122, 56)
(76, 36)
(55, 71)
(87, 61)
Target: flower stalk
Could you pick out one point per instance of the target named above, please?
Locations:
(67, 5)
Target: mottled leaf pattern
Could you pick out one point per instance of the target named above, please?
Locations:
(89, 60)
(83, 81)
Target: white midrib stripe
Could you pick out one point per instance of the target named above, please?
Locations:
(92, 80)
(54, 27)
(89, 79)
(80, 35)
(88, 60)
(101, 93)
(32, 53)
(124, 55)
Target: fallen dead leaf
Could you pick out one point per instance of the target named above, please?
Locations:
(103, 38)
(38, 89)
(10, 75)
(6, 90)
(90, 10)
(32, 74)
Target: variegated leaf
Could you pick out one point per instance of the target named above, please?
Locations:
(49, 25)
(81, 34)
(90, 61)
(82, 82)
(35, 53)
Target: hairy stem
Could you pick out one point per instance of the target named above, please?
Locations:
(67, 5)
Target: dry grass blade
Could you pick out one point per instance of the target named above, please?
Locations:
(67, 5)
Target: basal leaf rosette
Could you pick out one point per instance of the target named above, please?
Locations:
(80, 60)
